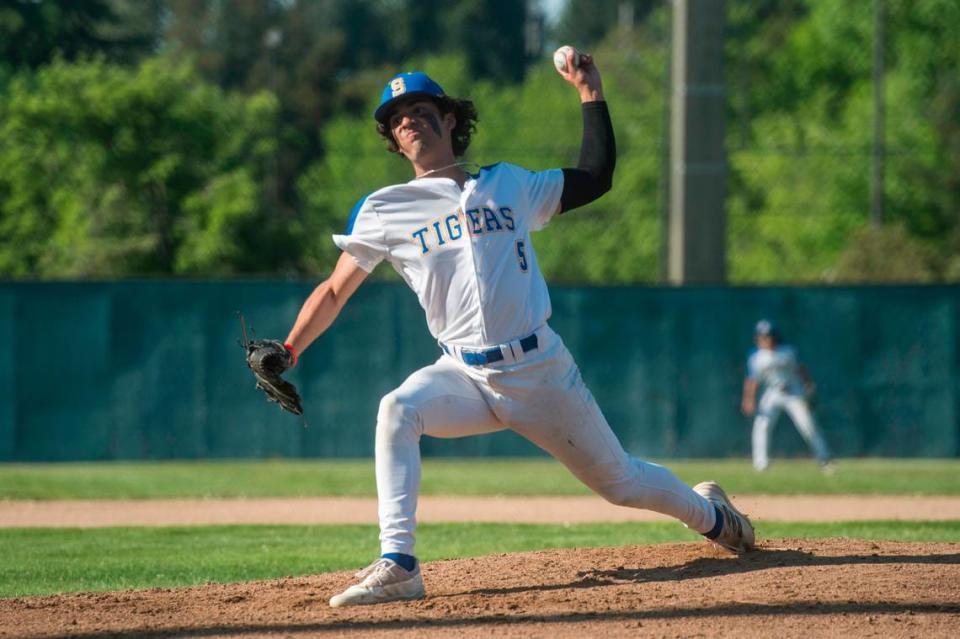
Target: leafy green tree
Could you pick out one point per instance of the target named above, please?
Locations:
(32, 33)
(108, 171)
(801, 164)
(245, 143)
(311, 55)
(491, 35)
(888, 254)
(587, 23)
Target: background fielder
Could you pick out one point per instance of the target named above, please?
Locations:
(461, 241)
(787, 386)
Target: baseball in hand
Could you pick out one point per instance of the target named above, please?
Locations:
(560, 58)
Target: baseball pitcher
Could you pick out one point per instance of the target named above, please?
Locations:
(461, 240)
(787, 386)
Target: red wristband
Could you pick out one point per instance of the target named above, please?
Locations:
(292, 352)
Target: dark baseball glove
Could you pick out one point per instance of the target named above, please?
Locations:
(268, 359)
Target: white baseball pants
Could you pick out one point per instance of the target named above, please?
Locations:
(773, 402)
(541, 397)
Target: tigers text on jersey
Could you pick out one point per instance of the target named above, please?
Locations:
(466, 252)
(776, 368)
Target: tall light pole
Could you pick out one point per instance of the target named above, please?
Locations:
(698, 162)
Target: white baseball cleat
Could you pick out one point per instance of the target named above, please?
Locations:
(737, 533)
(384, 580)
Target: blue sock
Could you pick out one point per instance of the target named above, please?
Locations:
(714, 532)
(407, 562)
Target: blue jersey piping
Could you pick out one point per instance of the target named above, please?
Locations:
(355, 212)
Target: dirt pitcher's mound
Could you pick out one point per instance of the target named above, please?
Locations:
(789, 588)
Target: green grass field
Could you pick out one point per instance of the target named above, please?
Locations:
(451, 477)
(52, 560)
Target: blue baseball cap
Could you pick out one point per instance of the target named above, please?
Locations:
(405, 85)
(765, 328)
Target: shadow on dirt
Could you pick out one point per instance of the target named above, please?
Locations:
(758, 560)
(714, 567)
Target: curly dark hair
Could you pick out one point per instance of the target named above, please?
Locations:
(464, 112)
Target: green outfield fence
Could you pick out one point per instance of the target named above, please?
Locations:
(153, 370)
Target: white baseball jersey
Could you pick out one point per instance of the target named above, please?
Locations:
(776, 369)
(466, 252)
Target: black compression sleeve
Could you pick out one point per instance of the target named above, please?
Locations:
(598, 155)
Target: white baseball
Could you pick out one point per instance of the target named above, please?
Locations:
(560, 58)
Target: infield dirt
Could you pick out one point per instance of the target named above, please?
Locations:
(788, 588)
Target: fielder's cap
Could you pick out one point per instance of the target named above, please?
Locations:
(406, 85)
(765, 328)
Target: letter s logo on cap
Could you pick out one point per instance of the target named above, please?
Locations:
(398, 87)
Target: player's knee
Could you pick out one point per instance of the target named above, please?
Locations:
(620, 490)
(397, 418)
(619, 494)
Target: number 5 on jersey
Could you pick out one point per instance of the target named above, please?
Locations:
(522, 256)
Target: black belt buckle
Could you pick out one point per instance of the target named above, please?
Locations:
(529, 343)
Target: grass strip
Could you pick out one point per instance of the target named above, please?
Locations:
(301, 478)
(41, 561)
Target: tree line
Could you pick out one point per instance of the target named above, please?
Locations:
(213, 138)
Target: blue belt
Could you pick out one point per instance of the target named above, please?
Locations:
(495, 354)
